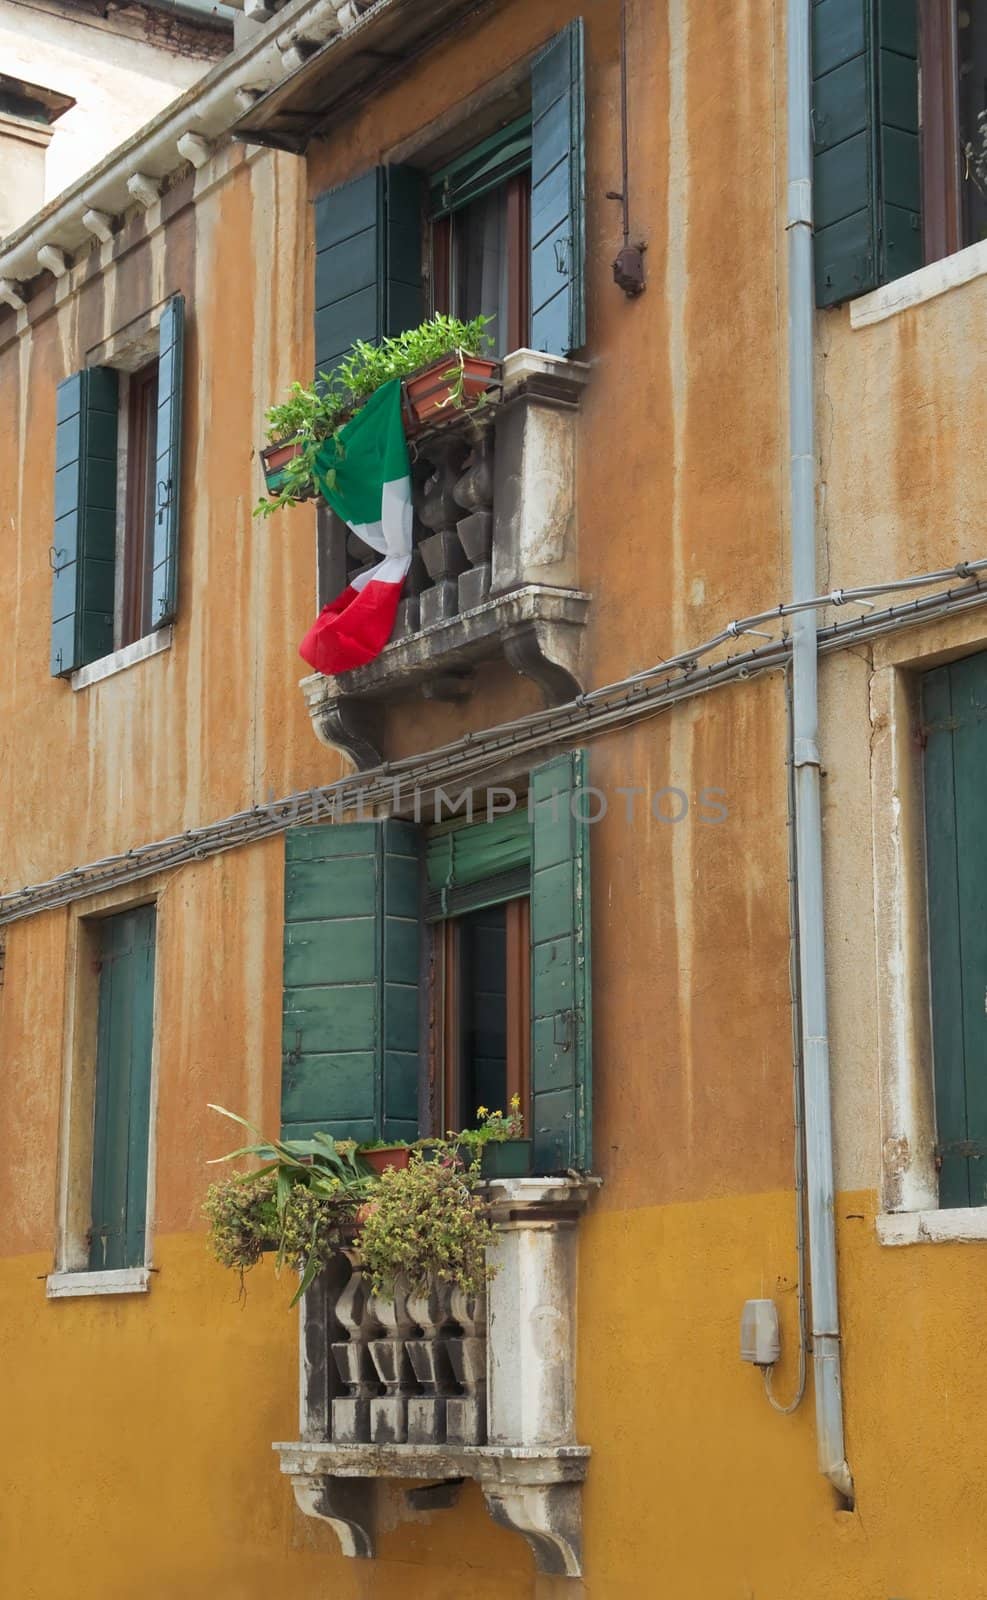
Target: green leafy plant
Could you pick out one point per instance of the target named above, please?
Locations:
(299, 1202)
(426, 1220)
(310, 416)
(493, 1127)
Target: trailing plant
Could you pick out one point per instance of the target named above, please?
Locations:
(300, 1201)
(427, 1220)
(311, 416)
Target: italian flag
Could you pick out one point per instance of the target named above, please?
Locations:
(366, 479)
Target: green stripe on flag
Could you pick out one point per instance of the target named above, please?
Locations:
(369, 451)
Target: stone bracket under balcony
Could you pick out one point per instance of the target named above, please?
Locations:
(495, 560)
(538, 629)
(533, 1492)
(430, 1386)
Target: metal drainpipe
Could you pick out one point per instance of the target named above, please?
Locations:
(808, 815)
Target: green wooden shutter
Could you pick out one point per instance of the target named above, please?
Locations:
(121, 1127)
(479, 864)
(351, 950)
(954, 713)
(866, 154)
(561, 1012)
(558, 186)
(168, 469)
(84, 540)
(368, 271)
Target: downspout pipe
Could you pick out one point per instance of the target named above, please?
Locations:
(826, 1354)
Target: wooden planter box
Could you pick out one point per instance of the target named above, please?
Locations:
(427, 394)
(274, 458)
(506, 1158)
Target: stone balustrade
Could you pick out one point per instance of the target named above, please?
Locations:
(413, 1363)
(428, 1383)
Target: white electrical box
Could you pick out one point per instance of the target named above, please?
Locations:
(760, 1340)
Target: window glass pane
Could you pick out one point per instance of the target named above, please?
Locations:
(972, 52)
(480, 264)
(483, 1015)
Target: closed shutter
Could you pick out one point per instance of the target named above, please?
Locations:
(866, 154)
(954, 716)
(84, 538)
(351, 951)
(368, 274)
(558, 184)
(168, 468)
(121, 1126)
(561, 1014)
(476, 865)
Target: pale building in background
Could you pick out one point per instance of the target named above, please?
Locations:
(77, 79)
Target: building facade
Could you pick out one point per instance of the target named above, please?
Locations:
(185, 891)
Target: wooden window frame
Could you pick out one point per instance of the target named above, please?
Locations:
(942, 208)
(442, 244)
(445, 1041)
(139, 508)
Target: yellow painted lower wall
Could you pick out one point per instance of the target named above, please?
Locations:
(137, 1433)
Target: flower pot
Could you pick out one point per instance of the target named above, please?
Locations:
(396, 1156)
(275, 458)
(506, 1158)
(428, 394)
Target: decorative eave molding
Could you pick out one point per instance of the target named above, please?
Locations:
(184, 131)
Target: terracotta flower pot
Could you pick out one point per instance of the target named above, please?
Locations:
(428, 393)
(396, 1156)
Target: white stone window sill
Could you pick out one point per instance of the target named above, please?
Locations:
(925, 284)
(152, 644)
(121, 1280)
(964, 1225)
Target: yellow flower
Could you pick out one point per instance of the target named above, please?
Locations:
(515, 1102)
(482, 1111)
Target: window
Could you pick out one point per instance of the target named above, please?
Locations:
(504, 221)
(953, 55)
(427, 971)
(479, 237)
(137, 551)
(478, 904)
(114, 552)
(954, 735)
(900, 137)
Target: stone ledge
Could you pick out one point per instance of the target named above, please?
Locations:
(487, 1463)
(537, 627)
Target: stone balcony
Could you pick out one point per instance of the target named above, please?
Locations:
(495, 567)
(434, 1386)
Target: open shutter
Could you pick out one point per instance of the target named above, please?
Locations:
(558, 185)
(168, 469)
(368, 275)
(84, 540)
(561, 1017)
(121, 1125)
(351, 950)
(865, 123)
(954, 717)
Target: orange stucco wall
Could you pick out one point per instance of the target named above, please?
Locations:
(138, 1431)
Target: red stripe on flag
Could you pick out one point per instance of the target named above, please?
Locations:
(352, 629)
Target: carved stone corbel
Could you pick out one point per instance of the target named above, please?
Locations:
(547, 656)
(349, 1505)
(547, 1515)
(350, 725)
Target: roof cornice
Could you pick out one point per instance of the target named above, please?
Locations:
(186, 130)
